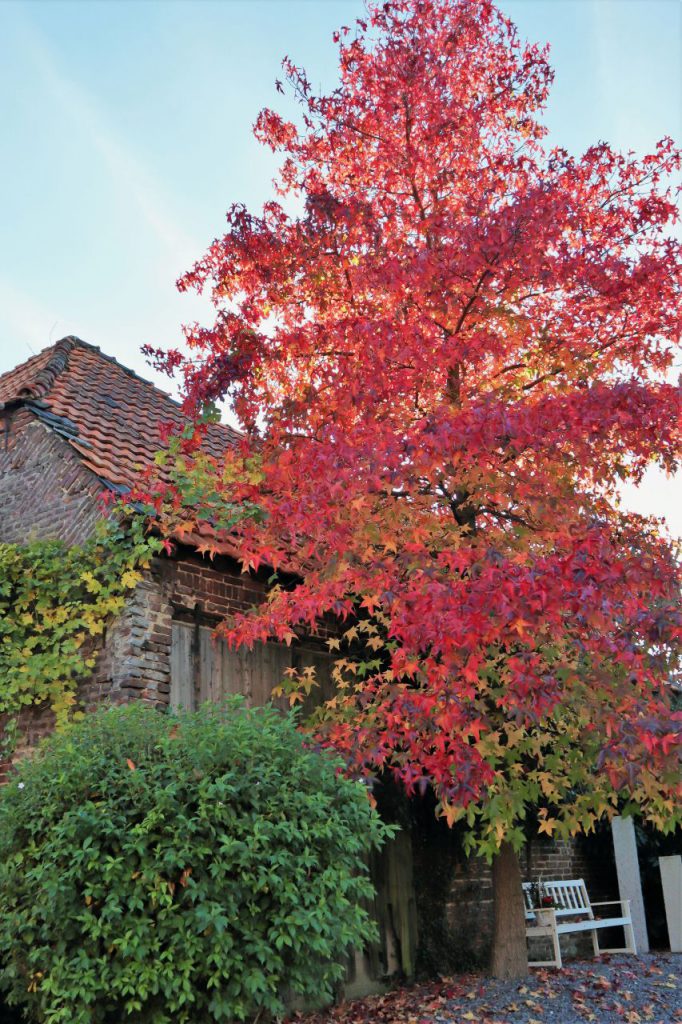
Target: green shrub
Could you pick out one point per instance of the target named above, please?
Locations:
(158, 868)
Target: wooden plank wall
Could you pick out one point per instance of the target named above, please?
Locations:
(205, 669)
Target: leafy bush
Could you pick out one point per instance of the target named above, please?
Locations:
(158, 868)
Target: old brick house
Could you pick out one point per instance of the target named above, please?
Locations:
(75, 422)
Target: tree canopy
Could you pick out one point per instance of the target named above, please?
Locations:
(447, 345)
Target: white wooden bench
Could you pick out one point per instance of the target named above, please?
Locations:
(573, 912)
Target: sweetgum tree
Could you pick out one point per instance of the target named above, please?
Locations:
(445, 361)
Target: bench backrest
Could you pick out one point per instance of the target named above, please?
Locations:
(570, 897)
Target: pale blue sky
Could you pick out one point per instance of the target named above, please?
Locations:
(125, 133)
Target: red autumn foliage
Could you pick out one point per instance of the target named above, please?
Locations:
(446, 354)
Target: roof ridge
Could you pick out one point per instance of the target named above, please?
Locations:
(58, 361)
(37, 389)
(123, 367)
(43, 381)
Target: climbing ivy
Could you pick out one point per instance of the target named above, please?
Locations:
(53, 600)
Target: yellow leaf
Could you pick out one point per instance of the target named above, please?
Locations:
(450, 813)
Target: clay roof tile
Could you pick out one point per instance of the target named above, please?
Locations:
(109, 414)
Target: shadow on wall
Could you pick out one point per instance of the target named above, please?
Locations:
(453, 894)
(650, 846)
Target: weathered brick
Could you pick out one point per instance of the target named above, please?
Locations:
(45, 491)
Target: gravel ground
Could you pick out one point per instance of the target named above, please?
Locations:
(613, 990)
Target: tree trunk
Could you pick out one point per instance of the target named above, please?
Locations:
(510, 957)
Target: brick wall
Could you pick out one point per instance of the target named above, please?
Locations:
(45, 491)
(216, 589)
(561, 858)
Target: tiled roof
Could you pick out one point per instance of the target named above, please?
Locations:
(105, 411)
